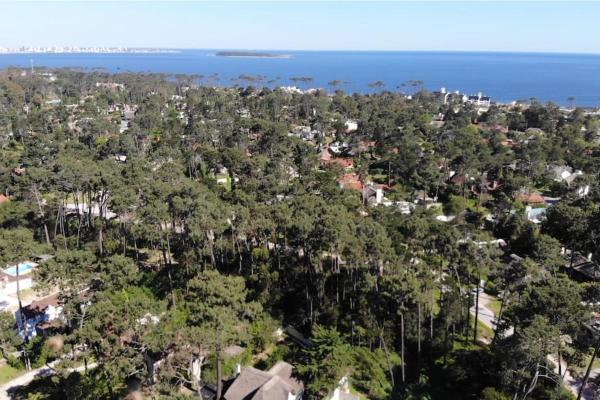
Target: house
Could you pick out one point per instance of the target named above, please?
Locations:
(120, 158)
(338, 148)
(40, 316)
(350, 181)
(274, 384)
(16, 275)
(529, 198)
(351, 125)
(479, 100)
(582, 268)
(565, 174)
(404, 207)
(581, 191)
(422, 197)
(373, 193)
(441, 95)
(305, 133)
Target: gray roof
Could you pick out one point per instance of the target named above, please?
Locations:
(254, 384)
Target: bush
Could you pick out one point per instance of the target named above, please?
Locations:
(490, 393)
(455, 205)
(15, 362)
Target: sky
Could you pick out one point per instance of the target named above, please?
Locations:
(567, 27)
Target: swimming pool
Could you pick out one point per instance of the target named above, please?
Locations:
(24, 268)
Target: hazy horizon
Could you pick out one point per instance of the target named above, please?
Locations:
(545, 27)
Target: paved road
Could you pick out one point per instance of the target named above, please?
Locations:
(486, 315)
(488, 318)
(26, 378)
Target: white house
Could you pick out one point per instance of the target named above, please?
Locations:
(479, 100)
(9, 279)
(38, 316)
(565, 174)
(351, 125)
(583, 191)
(373, 194)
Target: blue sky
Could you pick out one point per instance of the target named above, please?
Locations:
(467, 26)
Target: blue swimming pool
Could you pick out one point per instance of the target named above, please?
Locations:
(24, 268)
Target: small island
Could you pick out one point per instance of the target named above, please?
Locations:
(252, 54)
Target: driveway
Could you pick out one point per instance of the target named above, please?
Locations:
(488, 318)
(26, 378)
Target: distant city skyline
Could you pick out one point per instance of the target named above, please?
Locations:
(561, 27)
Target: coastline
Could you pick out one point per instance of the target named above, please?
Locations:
(503, 78)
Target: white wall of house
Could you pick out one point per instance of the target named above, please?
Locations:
(8, 288)
(51, 314)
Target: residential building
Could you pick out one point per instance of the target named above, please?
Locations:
(479, 100)
(565, 174)
(351, 125)
(16, 275)
(274, 384)
(529, 198)
(350, 181)
(582, 268)
(373, 193)
(40, 316)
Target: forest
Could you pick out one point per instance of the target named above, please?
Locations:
(188, 230)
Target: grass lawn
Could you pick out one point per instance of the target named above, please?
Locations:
(8, 373)
(586, 360)
(484, 333)
(494, 305)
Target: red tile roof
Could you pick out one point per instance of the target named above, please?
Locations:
(350, 181)
(3, 199)
(346, 163)
(529, 198)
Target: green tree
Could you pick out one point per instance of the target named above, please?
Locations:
(326, 361)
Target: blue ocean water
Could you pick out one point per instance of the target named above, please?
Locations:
(503, 76)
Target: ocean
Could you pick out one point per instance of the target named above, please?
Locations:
(502, 76)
